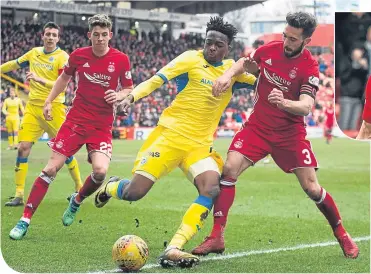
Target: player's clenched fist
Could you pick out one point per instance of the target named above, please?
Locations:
(111, 96)
(221, 85)
(47, 111)
(275, 97)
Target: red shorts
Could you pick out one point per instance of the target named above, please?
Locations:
(71, 137)
(327, 130)
(289, 151)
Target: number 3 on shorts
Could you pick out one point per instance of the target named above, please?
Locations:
(308, 160)
(106, 148)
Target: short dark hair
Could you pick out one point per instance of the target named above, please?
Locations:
(101, 20)
(302, 20)
(51, 25)
(217, 24)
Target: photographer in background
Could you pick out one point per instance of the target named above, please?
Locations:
(353, 72)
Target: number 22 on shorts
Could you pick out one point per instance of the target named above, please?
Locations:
(106, 148)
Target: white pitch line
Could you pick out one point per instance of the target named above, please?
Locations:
(255, 252)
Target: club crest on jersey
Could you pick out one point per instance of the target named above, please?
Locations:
(51, 59)
(59, 144)
(111, 67)
(238, 144)
(292, 74)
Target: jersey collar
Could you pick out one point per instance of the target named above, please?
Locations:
(216, 64)
(50, 51)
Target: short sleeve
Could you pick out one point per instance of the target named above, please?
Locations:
(310, 82)
(125, 77)
(71, 64)
(178, 66)
(257, 54)
(63, 62)
(24, 60)
(244, 80)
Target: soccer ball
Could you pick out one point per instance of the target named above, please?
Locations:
(130, 253)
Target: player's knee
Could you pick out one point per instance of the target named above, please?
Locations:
(50, 171)
(213, 191)
(99, 174)
(24, 149)
(312, 188)
(208, 184)
(230, 170)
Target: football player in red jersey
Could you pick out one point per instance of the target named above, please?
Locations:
(286, 90)
(365, 131)
(104, 79)
(329, 122)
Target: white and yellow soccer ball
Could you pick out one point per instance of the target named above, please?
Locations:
(130, 253)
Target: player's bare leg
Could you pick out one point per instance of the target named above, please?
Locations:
(235, 164)
(21, 169)
(37, 194)
(308, 181)
(100, 163)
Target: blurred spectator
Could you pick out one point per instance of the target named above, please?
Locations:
(148, 53)
(353, 64)
(368, 48)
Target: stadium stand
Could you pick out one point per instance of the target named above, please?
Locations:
(149, 53)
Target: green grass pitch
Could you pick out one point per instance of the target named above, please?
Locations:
(271, 225)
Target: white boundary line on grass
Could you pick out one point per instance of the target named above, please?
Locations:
(255, 252)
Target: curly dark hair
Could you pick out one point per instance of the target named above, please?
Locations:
(217, 23)
(302, 20)
(101, 20)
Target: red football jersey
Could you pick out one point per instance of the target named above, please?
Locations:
(367, 109)
(294, 76)
(95, 75)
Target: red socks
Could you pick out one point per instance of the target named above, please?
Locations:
(222, 205)
(37, 194)
(89, 187)
(329, 209)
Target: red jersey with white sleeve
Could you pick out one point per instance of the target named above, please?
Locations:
(95, 75)
(293, 76)
(367, 108)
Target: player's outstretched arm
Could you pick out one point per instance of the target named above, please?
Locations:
(224, 82)
(9, 66)
(59, 86)
(365, 131)
(301, 107)
(147, 87)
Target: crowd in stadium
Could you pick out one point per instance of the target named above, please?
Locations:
(148, 53)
